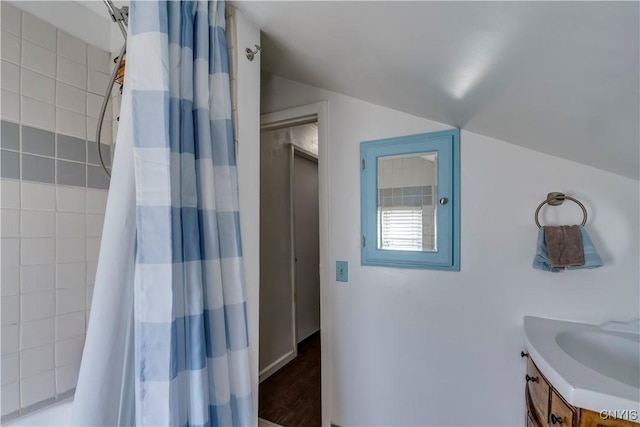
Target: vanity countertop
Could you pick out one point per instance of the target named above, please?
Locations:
(592, 367)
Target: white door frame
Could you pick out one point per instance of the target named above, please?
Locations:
(295, 115)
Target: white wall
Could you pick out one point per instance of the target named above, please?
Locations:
(413, 347)
(246, 89)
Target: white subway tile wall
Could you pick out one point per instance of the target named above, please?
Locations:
(10, 339)
(38, 86)
(38, 58)
(36, 333)
(98, 58)
(97, 81)
(11, 20)
(71, 98)
(70, 199)
(10, 281)
(37, 196)
(10, 78)
(36, 361)
(94, 225)
(37, 251)
(67, 376)
(10, 312)
(71, 123)
(70, 225)
(38, 114)
(10, 105)
(10, 47)
(39, 32)
(71, 275)
(10, 364)
(10, 194)
(52, 204)
(10, 252)
(10, 397)
(70, 250)
(69, 326)
(72, 48)
(72, 73)
(10, 223)
(37, 223)
(37, 278)
(37, 388)
(36, 306)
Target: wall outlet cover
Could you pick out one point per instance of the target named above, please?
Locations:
(342, 271)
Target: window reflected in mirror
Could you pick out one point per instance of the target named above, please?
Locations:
(406, 214)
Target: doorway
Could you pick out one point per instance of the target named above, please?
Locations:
(306, 243)
(289, 355)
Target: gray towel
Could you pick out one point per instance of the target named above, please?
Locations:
(565, 245)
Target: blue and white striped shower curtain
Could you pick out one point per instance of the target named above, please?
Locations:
(187, 338)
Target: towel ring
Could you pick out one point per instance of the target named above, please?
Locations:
(554, 199)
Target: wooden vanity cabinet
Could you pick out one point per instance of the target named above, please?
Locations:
(561, 413)
(532, 420)
(538, 389)
(546, 408)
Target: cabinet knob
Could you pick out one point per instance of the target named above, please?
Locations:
(523, 354)
(533, 379)
(556, 420)
(443, 201)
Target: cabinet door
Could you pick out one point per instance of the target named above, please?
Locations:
(531, 422)
(532, 417)
(562, 415)
(539, 391)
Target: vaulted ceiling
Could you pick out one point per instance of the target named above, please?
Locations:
(557, 77)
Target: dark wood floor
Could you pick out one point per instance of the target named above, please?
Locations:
(291, 396)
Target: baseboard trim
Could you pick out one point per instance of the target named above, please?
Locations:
(275, 366)
(267, 423)
(308, 338)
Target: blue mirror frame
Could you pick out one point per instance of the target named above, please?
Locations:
(447, 146)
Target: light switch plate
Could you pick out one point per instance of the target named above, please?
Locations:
(342, 271)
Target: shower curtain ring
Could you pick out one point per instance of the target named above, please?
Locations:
(252, 53)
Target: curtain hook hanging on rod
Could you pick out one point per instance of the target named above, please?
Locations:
(252, 53)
